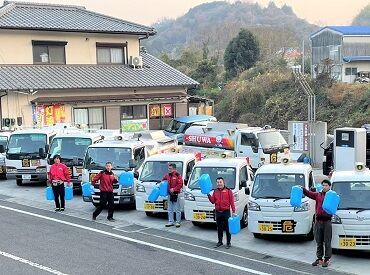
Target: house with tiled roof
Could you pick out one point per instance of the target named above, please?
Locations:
(66, 64)
(344, 51)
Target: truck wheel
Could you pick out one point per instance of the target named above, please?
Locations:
(149, 214)
(310, 236)
(19, 182)
(196, 223)
(257, 235)
(96, 204)
(244, 218)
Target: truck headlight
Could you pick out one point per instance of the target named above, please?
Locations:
(189, 196)
(126, 191)
(41, 170)
(140, 188)
(302, 208)
(253, 206)
(335, 219)
(11, 170)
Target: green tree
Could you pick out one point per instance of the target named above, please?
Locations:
(241, 53)
(363, 18)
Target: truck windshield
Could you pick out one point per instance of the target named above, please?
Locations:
(156, 170)
(353, 195)
(227, 173)
(97, 157)
(177, 127)
(3, 141)
(69, 147)
(276, 185)
(26, 143)
(271, 139)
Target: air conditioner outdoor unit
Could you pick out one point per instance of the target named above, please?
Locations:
(136, 61)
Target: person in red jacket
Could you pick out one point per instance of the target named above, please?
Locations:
(223, 199)
(58, 175)
(323, 229)
(106, 178)
(175, 184)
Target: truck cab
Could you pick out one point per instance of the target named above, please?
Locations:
(269, 209)
(237, 175)
(351, 223)
(72, 146)
(177, 127)
(152, 172)
(26, 154)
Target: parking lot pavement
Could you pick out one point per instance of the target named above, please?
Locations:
(294, 249)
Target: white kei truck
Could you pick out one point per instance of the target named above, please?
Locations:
(351, 223)
(151, 174)
(229, 140)
(238, 176)
(26, 154)
(71, 146)
(269, 209)
(125, 155)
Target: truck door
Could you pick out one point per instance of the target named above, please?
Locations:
(247, 146)
(189, 168)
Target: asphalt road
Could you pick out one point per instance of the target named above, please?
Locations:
(36, 241)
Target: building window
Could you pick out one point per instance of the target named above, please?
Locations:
(351, 71)
(160, 115)
(134, 112)
(49, 52)
(91, 117)
(111, 53)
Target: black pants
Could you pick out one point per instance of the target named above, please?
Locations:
(105, 197)
(223, 225)
(59, 195)
(323, 238)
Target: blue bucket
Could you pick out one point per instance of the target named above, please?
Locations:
(163, 188)
(126, 179)
(154, 195)
(234, 224)
(331, 202)
(68, 193)
(49, 193)
(205, 184)
(87, 189)
(296, 196)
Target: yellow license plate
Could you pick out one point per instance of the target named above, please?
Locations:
(149, 206)
(199, 216)
(265, 227)
(92, 175)
(347, 242)
(165, 205)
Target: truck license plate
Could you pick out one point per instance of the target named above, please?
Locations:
(199, 216)
(165, 205)
(26, 177)
(262, 227)
(149, 206)
(347, 242)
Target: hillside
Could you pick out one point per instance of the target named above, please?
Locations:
(216, 23)
(363, 18)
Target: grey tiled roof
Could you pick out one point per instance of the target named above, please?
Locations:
(51, 77)
(36, 16)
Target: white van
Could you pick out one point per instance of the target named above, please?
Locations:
(238, 175)
(269, 209)
(351, 223)
(152, 172)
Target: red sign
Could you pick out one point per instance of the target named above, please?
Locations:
(167, 110)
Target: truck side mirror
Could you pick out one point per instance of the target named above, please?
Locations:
(243, 183)
(186, 181)
(247, 191)
(2, 148)
(132, 164)
(42, 153)
(254, 148)
(47, 148)
(136, 174)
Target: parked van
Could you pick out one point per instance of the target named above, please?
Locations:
(351, 223)
(71, 146)
(151, 174)
(238, 176)
(269, 209)
(27, 153)
(177, 127)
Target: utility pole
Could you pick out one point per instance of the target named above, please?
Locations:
(303, 56)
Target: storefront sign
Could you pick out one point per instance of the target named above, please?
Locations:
(154, 111)
(134, 125)
(300, 131)
(47, 115)
(167, 110)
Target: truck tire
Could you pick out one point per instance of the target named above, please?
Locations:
(244, 218)
(96, 204)
(310, 236)
(19, 182)
(149, 214)
(196, 223)
(257, 235)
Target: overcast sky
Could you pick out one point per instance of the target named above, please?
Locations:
(321, 12)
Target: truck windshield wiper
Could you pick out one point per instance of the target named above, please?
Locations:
(362, 210)
(280, 199)
(268, 197)
(153, 180)
(351, 208)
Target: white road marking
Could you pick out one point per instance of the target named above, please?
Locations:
(191, 255)
(24, 261)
